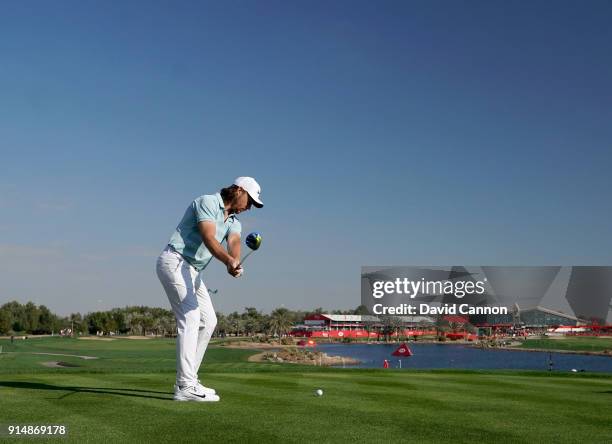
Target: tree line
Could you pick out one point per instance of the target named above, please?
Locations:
(29, 318)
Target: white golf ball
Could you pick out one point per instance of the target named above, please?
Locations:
(319, 392)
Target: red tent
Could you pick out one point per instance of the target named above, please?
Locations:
(403, 350)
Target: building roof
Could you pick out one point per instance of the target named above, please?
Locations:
(556, 313)
(416, 319)
(343, 318)
(369, 318)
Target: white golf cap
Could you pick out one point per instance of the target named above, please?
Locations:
(252, 187)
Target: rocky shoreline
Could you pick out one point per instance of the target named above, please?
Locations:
(294, 355)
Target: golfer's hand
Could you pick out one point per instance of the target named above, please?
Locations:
(239, 272)
(233, 266)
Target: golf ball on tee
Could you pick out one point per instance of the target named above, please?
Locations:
(319, 392)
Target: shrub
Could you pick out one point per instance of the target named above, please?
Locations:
(287, 340)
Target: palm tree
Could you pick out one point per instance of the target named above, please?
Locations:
(236, 323)
(280, 322)
(136, 324)
(442, 327)
(223, 325)
(369, 324)
(252, 320)
(76, 319)
(391, 325)
(147, 323)
(361, 310)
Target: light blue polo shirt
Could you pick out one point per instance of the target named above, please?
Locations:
(187, 240)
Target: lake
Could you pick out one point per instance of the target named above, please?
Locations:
(459, 356)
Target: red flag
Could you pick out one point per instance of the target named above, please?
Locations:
(402, 350)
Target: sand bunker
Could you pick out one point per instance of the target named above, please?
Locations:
(99, 338)
(96, 338)
(59, 364)
(53, 354)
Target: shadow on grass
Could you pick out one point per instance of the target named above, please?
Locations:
(73, 390)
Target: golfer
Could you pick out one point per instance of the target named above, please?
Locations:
(208, 221)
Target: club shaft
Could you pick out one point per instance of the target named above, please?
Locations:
(245, 256)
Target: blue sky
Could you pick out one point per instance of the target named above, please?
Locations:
(382, 133)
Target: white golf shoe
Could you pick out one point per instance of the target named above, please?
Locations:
(206, 390)
(193, 393)
(201, 389)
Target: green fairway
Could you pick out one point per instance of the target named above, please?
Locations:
(125, 396)
(117, 355)
(577, 343)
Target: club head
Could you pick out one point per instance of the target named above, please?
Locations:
(253, 241)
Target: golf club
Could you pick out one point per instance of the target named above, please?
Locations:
(253, 241)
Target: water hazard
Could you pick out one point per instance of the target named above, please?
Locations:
(431, 356)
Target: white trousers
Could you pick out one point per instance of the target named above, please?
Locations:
(192, 307)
